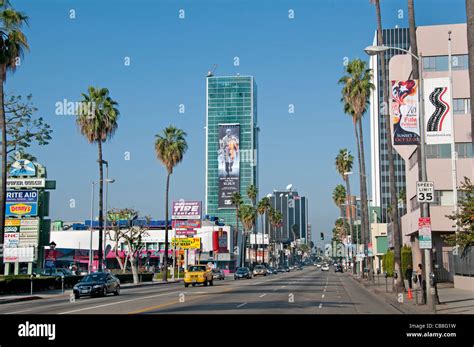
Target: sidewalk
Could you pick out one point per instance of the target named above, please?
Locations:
(57, 293)
(452, 300)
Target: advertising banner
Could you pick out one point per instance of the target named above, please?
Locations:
(438, 110)
(22, 167)
(11, 239)
(228, 163)
(29, 232)
(186, 232)
(186, 210)
(404, 111)
(50, 258)
(21, 202)
(26, 183)
(19, 254)
(424, 233)
(186, 224)
(187, 243)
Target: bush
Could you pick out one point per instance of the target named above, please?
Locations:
(388, 261)
(128, 278)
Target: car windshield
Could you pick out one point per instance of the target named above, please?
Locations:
(259, 267)
(196, 268)
(93, 278)
(242, 269)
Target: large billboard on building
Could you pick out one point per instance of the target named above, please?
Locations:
(228, 163)
(404, 112)
(438, 110)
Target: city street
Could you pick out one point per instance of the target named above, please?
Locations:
(309, 291)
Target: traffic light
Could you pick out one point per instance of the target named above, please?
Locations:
(322, 236)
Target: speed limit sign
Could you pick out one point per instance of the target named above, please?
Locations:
(425, 191)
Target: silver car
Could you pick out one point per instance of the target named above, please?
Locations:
(260, 270)
(218, 274)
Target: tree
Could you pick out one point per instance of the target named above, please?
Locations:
(236, 200)
(343, 163)
(470, 48)
(463, 218)
(262, 208)
(98, 124)
(339, 196)
(115, 234)
(340, 229)
(247, 216)
(397, 234)
(356, 91)
(170, 147)
(13, 44)
(22, 128)
(252, 192)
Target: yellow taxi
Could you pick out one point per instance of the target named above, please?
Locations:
(198, 274)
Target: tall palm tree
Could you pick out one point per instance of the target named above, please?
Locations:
(356, 91)
(470, 49)
(262, 208)
(237, 201)
(397, 234)
(252, 192)
(339, 196)
(170, 147)
(98, 123)
(13, 44)
(275, 217)
(247, 216)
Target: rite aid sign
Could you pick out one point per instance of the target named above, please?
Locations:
(186, 210)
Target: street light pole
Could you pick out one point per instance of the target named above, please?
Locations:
(424, 208)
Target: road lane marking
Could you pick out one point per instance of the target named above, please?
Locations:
(261, 296)
(241, 305)
(324, 290)
(320, 305)
(254, 284)
(322, 296)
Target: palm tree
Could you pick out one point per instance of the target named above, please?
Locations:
(397, 239)
(262, 208)
(356, 91)
(247, 216)
(237, 201)
(13, 44)
(252, 192)
(470, 48)
(170, 147)
(339, 196)
(98, 123)
(277, 219)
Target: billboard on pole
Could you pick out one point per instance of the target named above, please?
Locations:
(184, 209)
(438, 111)
(228, 163)
(404, 111)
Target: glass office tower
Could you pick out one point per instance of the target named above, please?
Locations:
(231, 143)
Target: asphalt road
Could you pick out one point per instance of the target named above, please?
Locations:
(309, 291)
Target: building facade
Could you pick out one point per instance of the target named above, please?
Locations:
(231, 143)
(433, 45)
(400, 38)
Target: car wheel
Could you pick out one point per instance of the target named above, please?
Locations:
(211, 283)
(76, 296)
(194, 284)
(186, 285)
(205, 283)
(117, 291)
(104, 291)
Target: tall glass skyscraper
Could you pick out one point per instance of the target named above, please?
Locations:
(397, 37)
(231, 142)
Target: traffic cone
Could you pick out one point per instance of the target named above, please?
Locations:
(410, 294)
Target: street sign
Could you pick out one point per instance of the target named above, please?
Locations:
(425, 191)
(424, 233)
(26, 183)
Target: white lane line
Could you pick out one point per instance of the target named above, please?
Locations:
(320, 305)
(324, 290)
(261, 296)
(282, 286)
(117, 303)
(254, 284)
(15, 312)
(322, 296)
(274, 289)
(241, 305)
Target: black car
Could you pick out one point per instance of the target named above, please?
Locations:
(338, 268)
(97, 284)
(242, 272)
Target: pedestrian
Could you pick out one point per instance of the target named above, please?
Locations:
(408, 275)
(419, 274)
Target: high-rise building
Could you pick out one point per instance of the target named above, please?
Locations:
(294, 209)
(397, 37)
(231, 143)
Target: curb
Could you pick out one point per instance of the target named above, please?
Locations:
(37, 297)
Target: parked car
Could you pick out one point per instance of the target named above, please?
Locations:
(97, 283)
(271, 271)
(259, 270)
(338, 268)
(218, 274)
(318, 266)
(198, 274)
(299, 267)
(325, 267)
(242, 272)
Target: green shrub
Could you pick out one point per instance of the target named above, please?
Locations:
(388, 261)
(406, 258)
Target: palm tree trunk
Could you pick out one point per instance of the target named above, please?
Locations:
(362, 216)
(348, 203)
(413, 43)
(236, 234)
(470, 48)
(364, 198)
(165, 256)
(101, 204)
(391, 166)
(4, 156)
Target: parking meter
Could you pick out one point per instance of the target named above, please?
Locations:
(378, 271)
(432, 279)
(385, 274)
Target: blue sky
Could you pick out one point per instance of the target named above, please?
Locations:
(295, 61)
